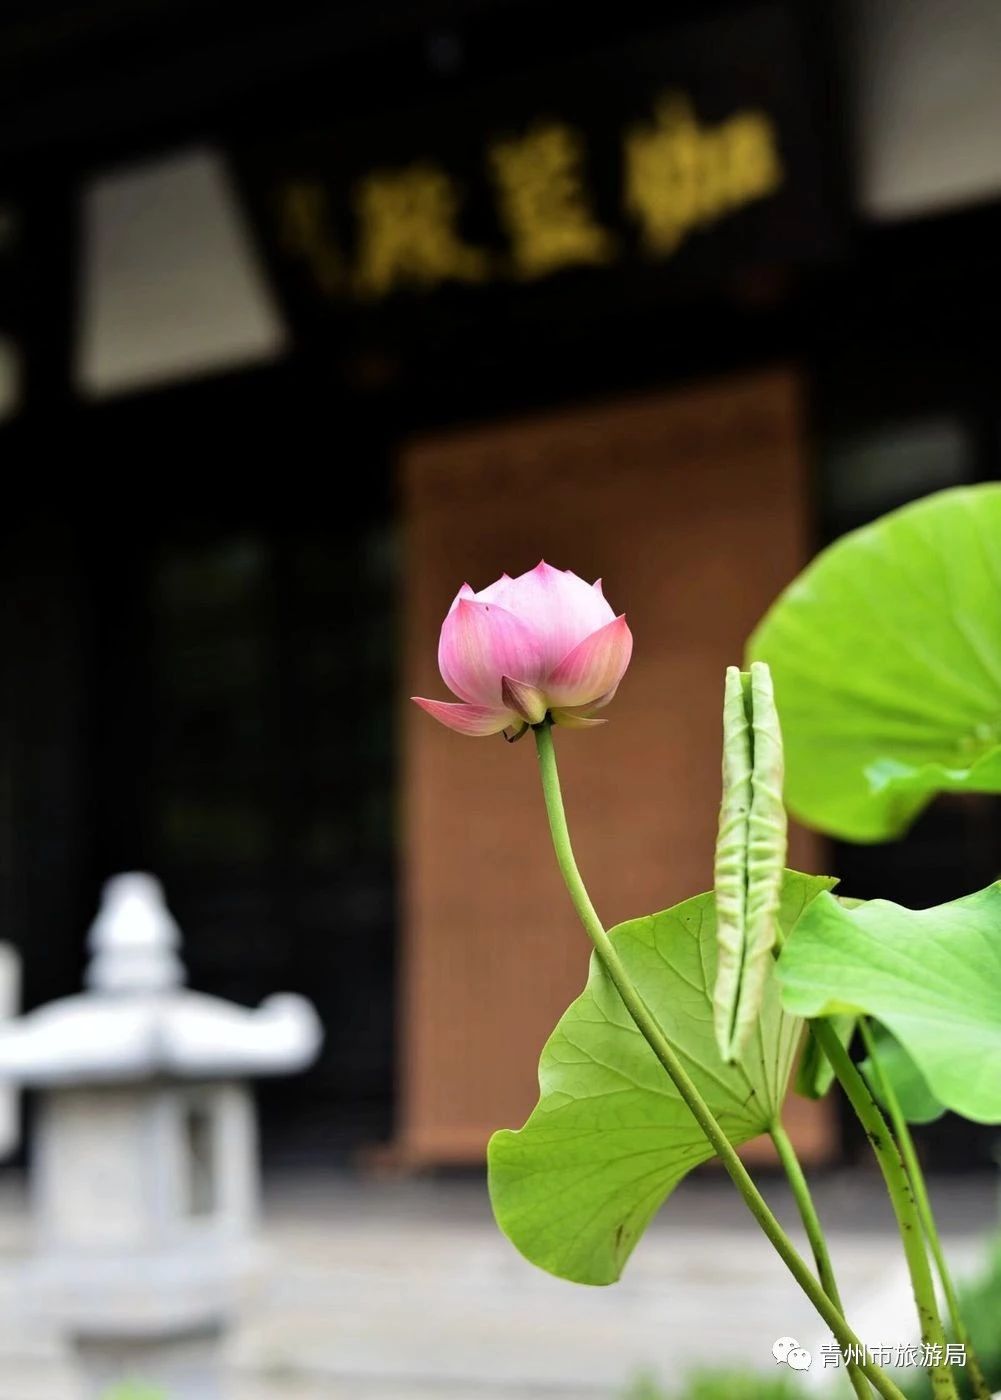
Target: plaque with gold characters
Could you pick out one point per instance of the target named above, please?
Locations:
(655, 171)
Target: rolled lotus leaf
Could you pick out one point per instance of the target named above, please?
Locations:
(750, 853)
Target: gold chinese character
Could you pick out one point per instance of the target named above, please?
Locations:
(754, 168)
(304, 230)
(543, 204)
(680, 175)
(663, 175)
(408, 231)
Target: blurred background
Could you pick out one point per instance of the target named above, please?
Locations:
(308, 314)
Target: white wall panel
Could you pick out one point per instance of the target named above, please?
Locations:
(170, 284)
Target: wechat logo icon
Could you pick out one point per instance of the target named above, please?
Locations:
(788, 1352)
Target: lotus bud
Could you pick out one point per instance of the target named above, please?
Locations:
(543, 644)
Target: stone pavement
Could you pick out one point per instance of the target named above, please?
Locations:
(404, 1290)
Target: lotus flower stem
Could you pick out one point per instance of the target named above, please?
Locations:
(902, 1197)
(981, 1390)
(648, 1027)
(815, 1234)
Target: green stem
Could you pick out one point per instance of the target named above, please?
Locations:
(901, 1197)
(815, 1234)
(647, 1025)
(908, 1151)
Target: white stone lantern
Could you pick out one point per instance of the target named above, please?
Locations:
(144, 1174)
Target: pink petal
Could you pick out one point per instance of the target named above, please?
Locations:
(592, 705)
(467, 719)
(569, 719)
(527, 701)
(560, 607)
(464, 592)
(480, 643)
(494, 592)
(594, 666)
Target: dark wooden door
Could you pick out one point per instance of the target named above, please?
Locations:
(692, 506)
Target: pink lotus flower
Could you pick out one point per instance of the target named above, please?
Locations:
(546, 642)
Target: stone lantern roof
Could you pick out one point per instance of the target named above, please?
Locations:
(136, 1020)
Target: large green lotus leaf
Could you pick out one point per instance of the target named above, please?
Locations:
(886, 658)
(750, 854)
(610, 1137)
(931, 976)
(814, 1073)
(916, 1101)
